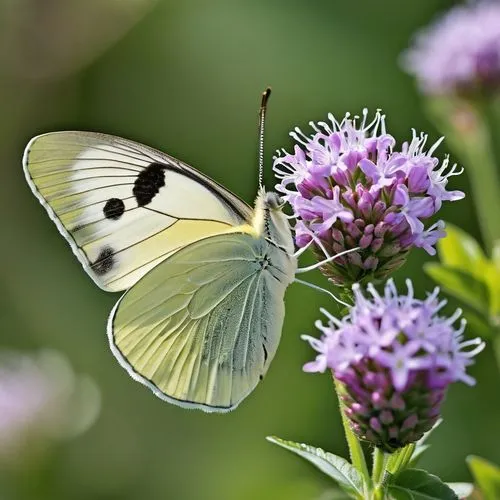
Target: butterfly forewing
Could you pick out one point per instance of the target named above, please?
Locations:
(125, 207)
(201, 328)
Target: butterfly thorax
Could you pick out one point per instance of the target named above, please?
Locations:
(270, 222)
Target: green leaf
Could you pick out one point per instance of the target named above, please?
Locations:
(461, 251)
(487, 476)
(417, 484)
(463, 490)
(464, 264)
(394, 460)
(495, 254)
(461, 285)
(417, 454)
(336, 467)
(492, 279)
(477, 324)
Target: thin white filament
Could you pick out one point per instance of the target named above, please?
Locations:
(316, 287)
(325, 261)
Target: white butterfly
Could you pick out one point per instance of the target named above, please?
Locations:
(206, 274)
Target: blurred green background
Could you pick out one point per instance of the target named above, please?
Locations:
(185, 77)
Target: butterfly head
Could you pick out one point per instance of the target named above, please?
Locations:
(267, 202)
(272, 201)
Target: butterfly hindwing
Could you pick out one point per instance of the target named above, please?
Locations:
(201, 328)
(122, 206)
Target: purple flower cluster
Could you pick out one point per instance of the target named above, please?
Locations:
(350, 188)
(395, 357)
(41, 400)
(460, 51)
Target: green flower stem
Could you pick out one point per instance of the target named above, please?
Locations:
(484, 176)
(355, 450)
(469, 128)
(393, 461)
(378, 493)
(407, 454)
(379, 460)
(491, 112)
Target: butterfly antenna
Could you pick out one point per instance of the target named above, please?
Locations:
(262, 120)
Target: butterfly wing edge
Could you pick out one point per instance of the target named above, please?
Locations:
(52, 215)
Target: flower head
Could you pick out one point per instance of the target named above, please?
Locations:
(350, 188)
(41, 400)
(395, 357)
(460, 51)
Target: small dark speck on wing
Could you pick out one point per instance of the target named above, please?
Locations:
(105, 261)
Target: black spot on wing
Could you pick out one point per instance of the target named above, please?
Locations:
(113, 209)
(148, 183)
(104, 262)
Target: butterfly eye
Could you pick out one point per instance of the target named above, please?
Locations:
(274, 201)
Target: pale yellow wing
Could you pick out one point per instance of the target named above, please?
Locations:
(201, 328)
(122, 206)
